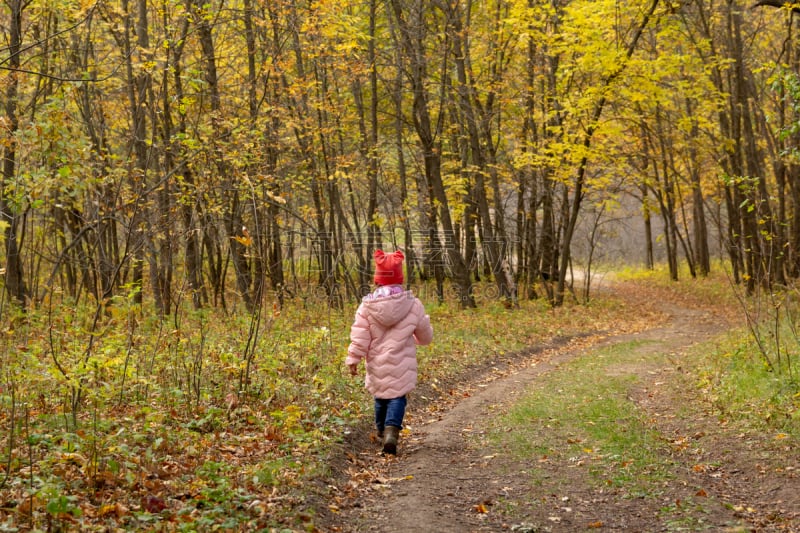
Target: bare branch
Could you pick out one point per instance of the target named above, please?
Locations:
(794, 6)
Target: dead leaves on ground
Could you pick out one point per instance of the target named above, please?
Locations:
(147, 474)
(366, 478)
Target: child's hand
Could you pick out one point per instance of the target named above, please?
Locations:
(353, 368)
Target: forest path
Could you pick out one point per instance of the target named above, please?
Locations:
(446, 478)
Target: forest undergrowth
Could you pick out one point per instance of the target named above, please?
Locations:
(208, 420)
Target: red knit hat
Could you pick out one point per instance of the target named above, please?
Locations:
(388, 268)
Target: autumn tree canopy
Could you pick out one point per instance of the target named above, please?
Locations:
(219, 152)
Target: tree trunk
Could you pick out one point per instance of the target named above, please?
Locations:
(648, 228)
(580, 174)
(14, 276)
(373, 230)
(431, 149)
(397, 94)
(481, 156)
(702, 257)
(233, 209)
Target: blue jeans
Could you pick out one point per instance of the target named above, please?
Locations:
(389, 412)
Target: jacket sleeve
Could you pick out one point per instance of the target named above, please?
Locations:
(360, 338)
(424, 331)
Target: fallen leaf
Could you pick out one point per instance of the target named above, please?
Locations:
(153, 504)
(24, 508)
(116, 509)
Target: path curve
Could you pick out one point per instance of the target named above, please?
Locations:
(439, 479)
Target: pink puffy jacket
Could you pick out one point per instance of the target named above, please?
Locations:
(385, 332)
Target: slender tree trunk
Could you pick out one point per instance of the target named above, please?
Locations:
(397, 92)
(665, 193)
(749, 189)
(702, 257)
(373, 230)
(580, 175)
(177, 156)
(14, 276)
(137, 83)
(431, 148)
(547, 263)
(648, 228)
(481, 152)
(233, 209)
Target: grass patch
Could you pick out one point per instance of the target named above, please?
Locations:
(752, 377)
(581, 418)
(713, 290)
(228, 418)
(748, 392)
(581, 414)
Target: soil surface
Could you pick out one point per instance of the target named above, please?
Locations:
(446, 478)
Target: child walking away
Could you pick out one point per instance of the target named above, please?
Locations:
(389, 324)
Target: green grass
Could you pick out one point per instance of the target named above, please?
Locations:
(747, 391)
(715, 289)
(580, 413)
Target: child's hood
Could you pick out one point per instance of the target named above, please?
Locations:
(389, 310)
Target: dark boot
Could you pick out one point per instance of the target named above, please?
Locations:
(390, 436)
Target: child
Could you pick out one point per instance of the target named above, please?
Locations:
(389, 323)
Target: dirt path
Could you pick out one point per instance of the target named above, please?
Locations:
(446, 479)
